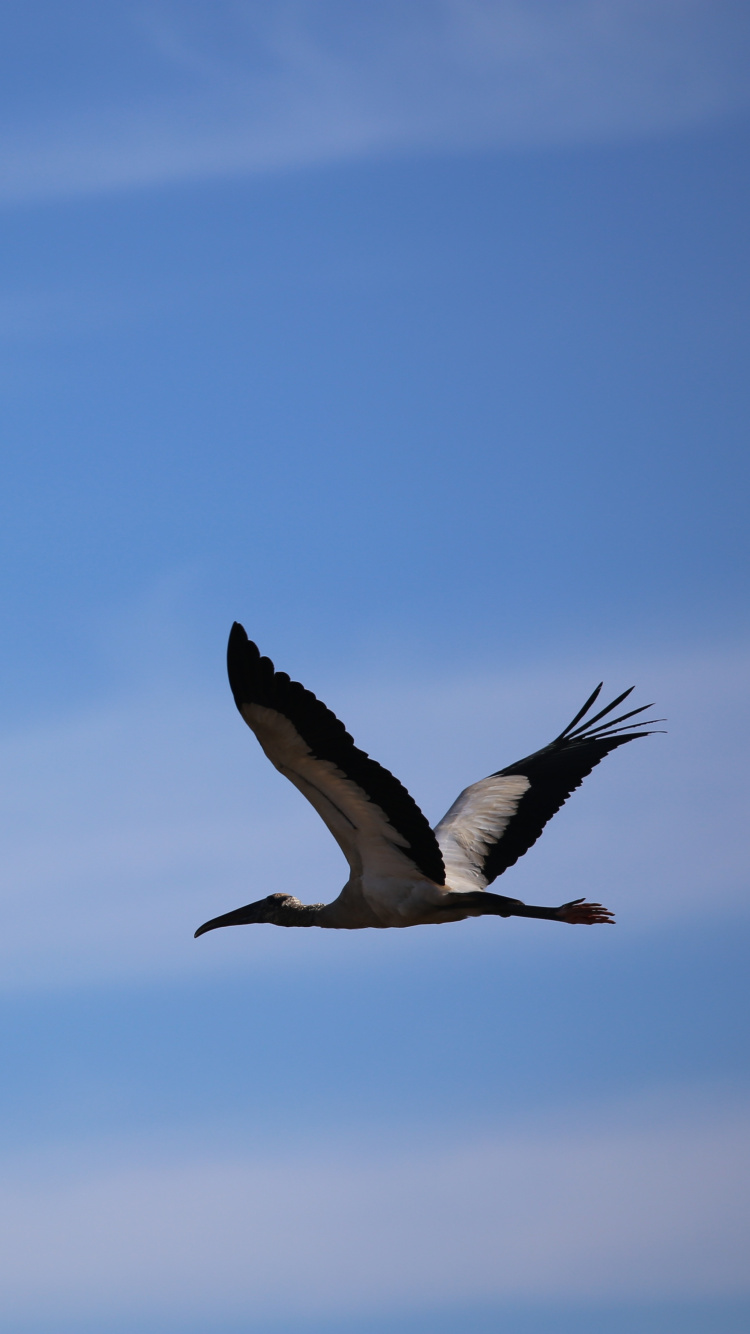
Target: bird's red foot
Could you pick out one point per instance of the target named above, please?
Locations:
(580, 913)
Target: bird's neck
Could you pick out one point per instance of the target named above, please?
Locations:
(293, 913)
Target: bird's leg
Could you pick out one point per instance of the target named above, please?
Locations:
(577, 912)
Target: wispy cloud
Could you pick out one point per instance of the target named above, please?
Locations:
(197, 90)
(627, 1210)
(127, 825)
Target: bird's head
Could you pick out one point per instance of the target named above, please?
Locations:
(269, 909)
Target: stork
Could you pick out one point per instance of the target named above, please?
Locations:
(403, 873)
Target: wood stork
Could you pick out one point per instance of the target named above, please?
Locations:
(402, 872)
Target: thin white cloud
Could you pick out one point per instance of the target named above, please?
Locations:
(125, 827)
(629, 1210)
(252, 87)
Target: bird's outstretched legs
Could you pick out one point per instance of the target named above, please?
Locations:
(482, 903)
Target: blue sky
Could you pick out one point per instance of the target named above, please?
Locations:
(415, 338)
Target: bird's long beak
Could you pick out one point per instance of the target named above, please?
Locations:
(240, 917)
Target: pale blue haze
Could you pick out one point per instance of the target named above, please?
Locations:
(416, 338)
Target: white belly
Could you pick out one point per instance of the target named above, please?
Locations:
(401, 901)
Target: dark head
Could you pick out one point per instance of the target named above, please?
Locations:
(269, 909)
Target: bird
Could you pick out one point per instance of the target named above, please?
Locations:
(402, 872)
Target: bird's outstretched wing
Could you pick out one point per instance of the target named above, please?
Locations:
(494, 822)
(375, 821)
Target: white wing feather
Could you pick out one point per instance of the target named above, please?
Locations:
(366, 837)
(476, 821)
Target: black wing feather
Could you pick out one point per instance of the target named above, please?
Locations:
(254, 681)
(554, 772)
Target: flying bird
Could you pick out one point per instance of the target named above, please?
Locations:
(403, 873)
